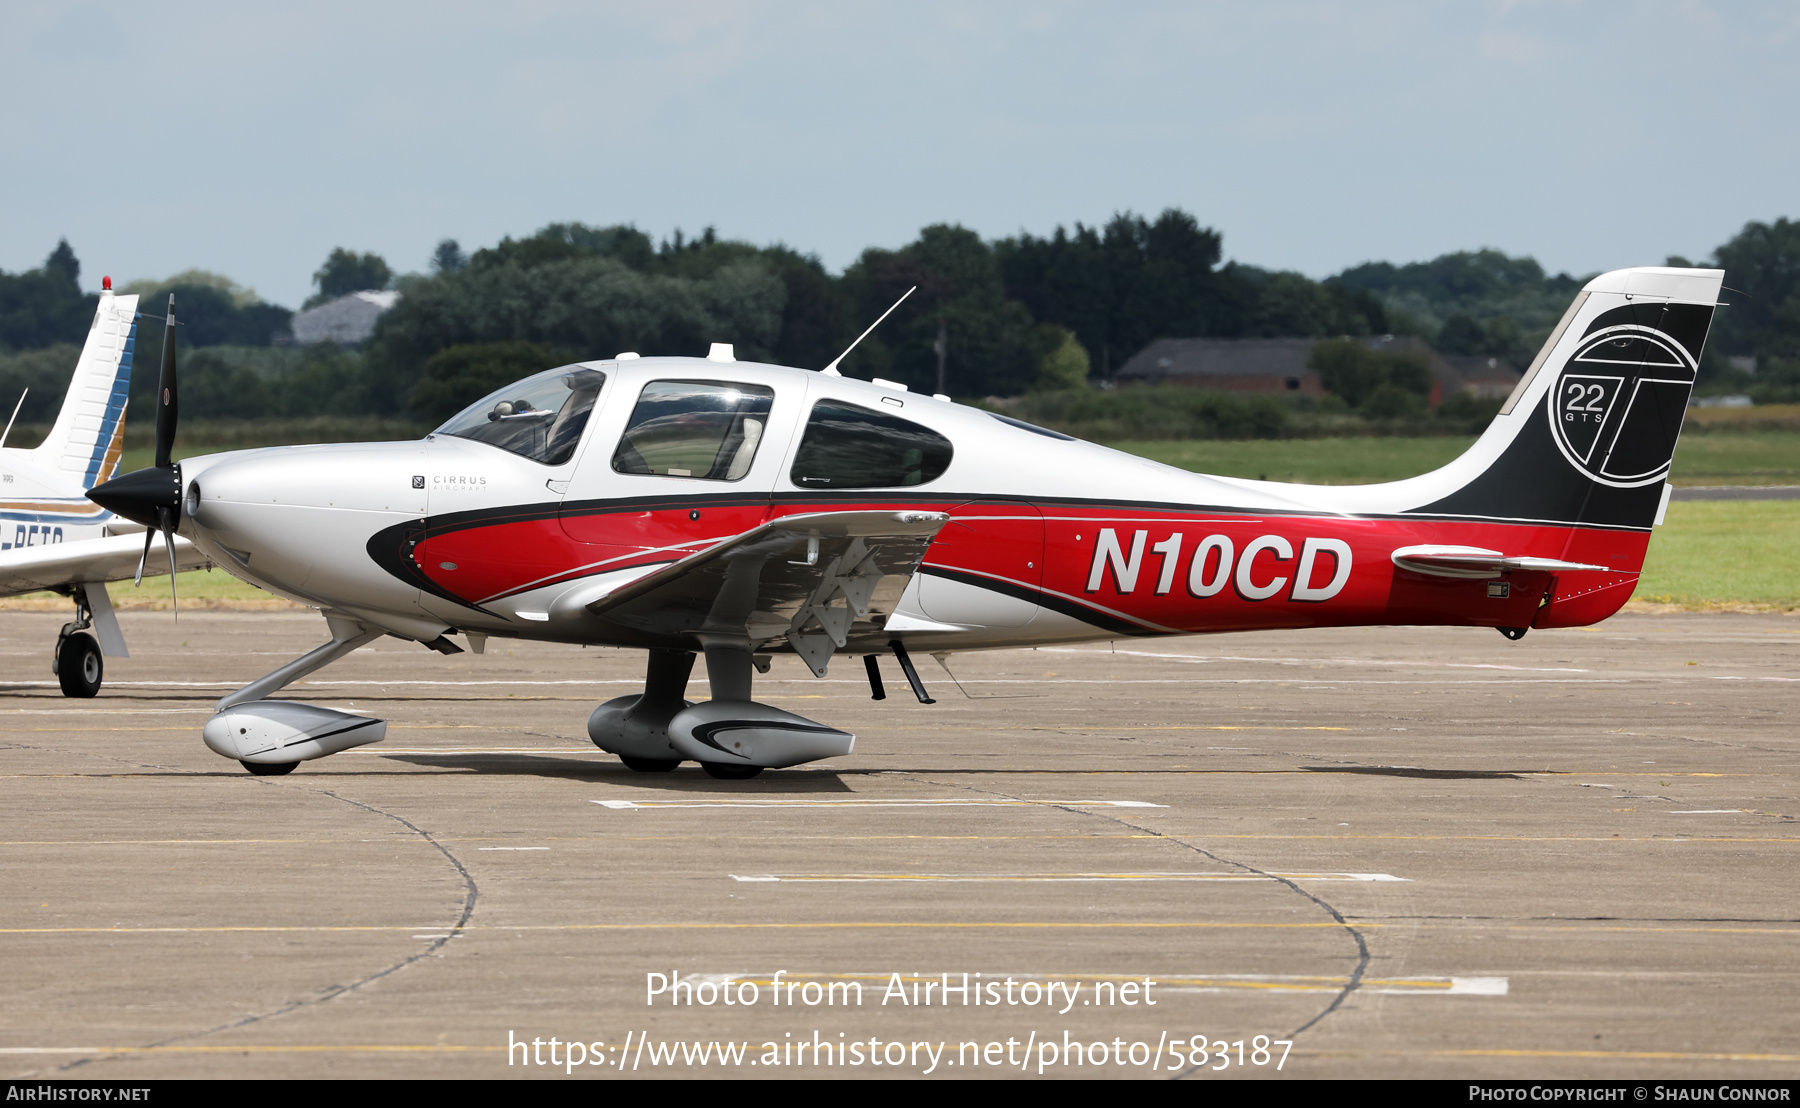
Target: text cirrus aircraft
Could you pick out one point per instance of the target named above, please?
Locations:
(687, 505)
(51, 535)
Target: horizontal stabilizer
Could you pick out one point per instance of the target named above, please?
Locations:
(1475, 562)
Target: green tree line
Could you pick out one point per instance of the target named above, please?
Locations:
(1016, 315)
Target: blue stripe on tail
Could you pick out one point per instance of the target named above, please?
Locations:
(111, 424)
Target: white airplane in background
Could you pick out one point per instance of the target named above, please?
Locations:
(51, 535)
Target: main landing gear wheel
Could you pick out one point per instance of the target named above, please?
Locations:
(78, 666)
(649, 765)
(268, 769)
(726, 772)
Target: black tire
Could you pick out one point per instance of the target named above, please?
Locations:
(649, 765)
(726, 772)
(79, 669)
(269, 769)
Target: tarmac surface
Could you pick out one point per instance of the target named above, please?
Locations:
(1409, 852)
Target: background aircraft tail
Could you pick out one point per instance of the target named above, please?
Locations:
(89, 433)
(1587, 437)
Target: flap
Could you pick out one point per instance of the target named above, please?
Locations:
(1475, 562)
(814, 581)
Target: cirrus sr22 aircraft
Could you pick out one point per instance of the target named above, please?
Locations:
(708, 506)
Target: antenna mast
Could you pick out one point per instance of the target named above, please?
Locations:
(832, 369)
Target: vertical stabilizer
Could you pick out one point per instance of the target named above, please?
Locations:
(89, 433)
(1588, 436)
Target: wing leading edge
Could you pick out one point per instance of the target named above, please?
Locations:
(115, 558)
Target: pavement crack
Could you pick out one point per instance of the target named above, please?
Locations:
(1354, 981)
(471, 893)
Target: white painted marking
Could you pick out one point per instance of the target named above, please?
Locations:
(857, 878)
(1408, 986)
(871, 802)
(638, 682)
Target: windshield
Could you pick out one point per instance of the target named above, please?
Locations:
(540, 418)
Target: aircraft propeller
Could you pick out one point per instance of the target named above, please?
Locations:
(152, 496)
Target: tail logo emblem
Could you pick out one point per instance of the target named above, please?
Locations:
(1617, 407)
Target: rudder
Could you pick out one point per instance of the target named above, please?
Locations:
(89, 433)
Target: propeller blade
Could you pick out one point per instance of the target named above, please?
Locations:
(167, 405)
(149, 537)
(169, 542)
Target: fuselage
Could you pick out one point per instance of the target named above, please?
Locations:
(44, 508)
(1050, 540)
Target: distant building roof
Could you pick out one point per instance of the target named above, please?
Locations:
(1186, 359)
(1269, 365)
(347, 321)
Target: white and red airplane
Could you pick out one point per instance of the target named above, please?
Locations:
(51, 535)
(709, 506)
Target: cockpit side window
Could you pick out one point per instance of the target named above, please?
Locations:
(704, 429)
(850, 447)
(540, 418)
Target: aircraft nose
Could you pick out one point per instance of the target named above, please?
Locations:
(359, 477)
(300, 517)
(139, 494)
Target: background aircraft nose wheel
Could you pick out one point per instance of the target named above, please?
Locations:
(268, 769)
(649, 765)
(730, 773)
(78, 666)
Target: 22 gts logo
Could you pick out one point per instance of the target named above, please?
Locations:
(1263, 569)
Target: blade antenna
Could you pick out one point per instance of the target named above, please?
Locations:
(15, 416)
(832, 369)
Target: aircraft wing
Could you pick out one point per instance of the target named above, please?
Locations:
(114, 558)
(1474, 562)
(816, 581)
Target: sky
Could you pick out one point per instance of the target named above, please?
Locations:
(252, 139)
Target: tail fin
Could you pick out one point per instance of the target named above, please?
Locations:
(89, 433)
(1587, 437)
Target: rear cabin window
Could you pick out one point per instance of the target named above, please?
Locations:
(849, 447)
(704, 429)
